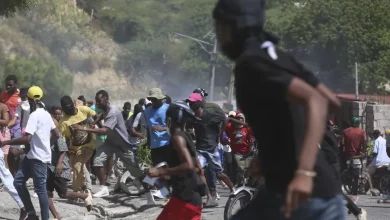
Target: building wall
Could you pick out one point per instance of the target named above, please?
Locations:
(372, 115)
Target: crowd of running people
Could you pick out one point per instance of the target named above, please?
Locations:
(55, 145)
(301, 179)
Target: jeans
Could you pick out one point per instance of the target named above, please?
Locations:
(268, 205)
(211, 179)
(37, 170)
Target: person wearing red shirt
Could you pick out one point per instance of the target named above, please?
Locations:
(354, 139)
(241, 139)
(11, 98)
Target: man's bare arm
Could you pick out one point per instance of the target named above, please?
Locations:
(316, 107)
(4, 115)
(334, 102)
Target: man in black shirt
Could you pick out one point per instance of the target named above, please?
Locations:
(300, 183)
(207, 132)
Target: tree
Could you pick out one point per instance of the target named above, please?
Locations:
(49, 75)
(337, 33)
(9, 7)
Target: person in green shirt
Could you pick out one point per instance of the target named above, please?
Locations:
(100, 139)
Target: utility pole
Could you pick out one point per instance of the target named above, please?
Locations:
(356, 82)
(213, 61)
(231, 88)
(213, 55)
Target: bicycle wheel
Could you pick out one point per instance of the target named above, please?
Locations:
(243, 197)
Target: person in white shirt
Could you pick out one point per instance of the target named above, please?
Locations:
(40, 130)
(379, 153)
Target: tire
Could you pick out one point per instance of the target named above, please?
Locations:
(346, 181)
(242, 196)
(126, 181)
(384, 184)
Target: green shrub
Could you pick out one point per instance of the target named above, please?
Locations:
(144, 155)
(370, 147)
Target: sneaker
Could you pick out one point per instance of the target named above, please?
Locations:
(35, 195)
(362, 215)
(88, 201)
(217, 196)
(150, 199)
(211, 203)
(23, 215)
(103, 192)
(375, 192)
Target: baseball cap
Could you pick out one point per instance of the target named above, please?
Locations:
(194, 97)
(201, 91)
(156, 93)
(242, 13)
(35, 93)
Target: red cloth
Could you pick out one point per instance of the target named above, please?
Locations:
(240, 139)
(353, 139)
(12, 101)
(177, 209)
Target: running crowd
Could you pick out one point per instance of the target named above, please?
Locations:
(302, 181)
(53, 146)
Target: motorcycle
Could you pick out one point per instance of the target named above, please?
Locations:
(247, 188)
(355, 172)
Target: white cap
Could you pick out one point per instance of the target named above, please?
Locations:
(232, 113)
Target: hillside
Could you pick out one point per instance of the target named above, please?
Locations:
(84, 57)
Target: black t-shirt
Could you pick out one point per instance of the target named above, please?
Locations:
(207, 130)
(330, 147)
(278, 124)
(184, 186)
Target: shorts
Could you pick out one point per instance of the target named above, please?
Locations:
(211, 159)
(123, 151)
(160, 154)
(177, 209)
(98, 142)
(17, 134)
(56, 183)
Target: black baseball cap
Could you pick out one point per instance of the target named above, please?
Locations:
(242, 13)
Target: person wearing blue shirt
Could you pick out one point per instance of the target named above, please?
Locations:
(158, 135)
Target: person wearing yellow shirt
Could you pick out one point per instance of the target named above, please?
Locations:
(126, 113)
(81, 144)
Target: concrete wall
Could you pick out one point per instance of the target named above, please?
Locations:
(372, 115)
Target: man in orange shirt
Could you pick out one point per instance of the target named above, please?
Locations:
(11, 98)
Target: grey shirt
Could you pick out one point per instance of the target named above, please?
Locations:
(113, 120)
